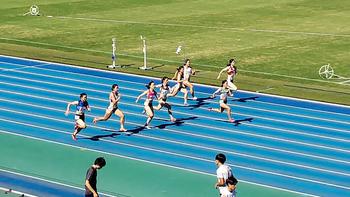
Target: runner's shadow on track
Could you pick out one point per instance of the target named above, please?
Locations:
(200, 102)
(178, 122)
(98, 137)
(237, 122)
(129, 132)
(245, 99)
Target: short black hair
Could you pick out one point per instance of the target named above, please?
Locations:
(114, 85)
(221, 158)
(83, 94)
(222, 83)
(100, 162)
(232, 181)
(148, 86)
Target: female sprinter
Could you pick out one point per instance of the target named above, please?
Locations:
(231, 70)
(164, 94)
(179, 85)
(114, 98)
(151, 94)
(188, 71)
(81, 106)
(224, 92)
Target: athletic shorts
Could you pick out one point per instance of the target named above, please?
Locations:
(79, 116)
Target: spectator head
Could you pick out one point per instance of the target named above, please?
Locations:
(220, 158)
(100, 162)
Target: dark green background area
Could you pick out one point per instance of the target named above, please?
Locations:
(120, 176)
(270, 36)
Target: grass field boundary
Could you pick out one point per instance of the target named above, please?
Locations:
(170, 61)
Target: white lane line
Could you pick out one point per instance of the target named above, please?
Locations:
(249, 124)
(11, 191)
(240, 106)
(200, 159)
(146, 161)
(208, 126)
(206, 94)
(41, 179)
(221, 139)
(187, 144)
(243, 114)
(23, 67)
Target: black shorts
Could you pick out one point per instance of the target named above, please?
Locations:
(79, 116)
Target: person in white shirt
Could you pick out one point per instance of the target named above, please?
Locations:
(223, 173)
(229, 190)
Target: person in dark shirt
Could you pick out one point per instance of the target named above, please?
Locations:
(91, 177)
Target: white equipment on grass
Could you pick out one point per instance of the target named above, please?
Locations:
(33, 10)
(181, 50)
(144, 50)
(327, 72)
(114, 55)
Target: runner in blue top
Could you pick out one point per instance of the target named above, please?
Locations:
(81, 106)
(224, 91)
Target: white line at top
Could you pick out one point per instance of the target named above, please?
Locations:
(205, 27)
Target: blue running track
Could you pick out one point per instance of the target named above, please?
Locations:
(297, 145)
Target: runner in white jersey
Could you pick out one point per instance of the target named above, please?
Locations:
(188, 71)
(224, 91)
(178, 76)
(231, 70)
(114, 98)
(163, 96)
